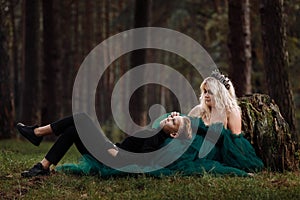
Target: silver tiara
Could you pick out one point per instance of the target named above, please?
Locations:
(220, 77)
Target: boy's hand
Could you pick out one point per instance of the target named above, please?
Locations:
(113, 152)
(173, 114)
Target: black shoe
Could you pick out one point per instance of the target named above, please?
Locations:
(36, 170)
(28, 133)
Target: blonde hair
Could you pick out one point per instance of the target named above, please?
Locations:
(225, 98)
(185, 130)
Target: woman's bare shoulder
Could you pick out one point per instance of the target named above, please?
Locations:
(235, 112)
(196, 111)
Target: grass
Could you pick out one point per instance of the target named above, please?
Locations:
(16, 155)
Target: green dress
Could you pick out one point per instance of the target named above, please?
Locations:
(231, 155)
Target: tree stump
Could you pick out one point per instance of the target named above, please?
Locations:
(268, 132)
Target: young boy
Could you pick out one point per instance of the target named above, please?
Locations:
(171, 127)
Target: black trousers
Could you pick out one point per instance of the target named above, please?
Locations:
(66, 130)
(68, 135)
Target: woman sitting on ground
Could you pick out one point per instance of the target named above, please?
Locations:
(218, 103)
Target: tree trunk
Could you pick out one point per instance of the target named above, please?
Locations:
(14, 56)
(240, 45)
(31, 85)
(6, 99)
(88, 32)
(138, 57)
(276, 59)
(268, 132)
(50, 76)
(67, 61)
(107, 91)
(99, 34)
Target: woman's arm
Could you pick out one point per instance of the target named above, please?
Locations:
(235, 122)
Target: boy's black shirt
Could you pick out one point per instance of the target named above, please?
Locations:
(143, 141)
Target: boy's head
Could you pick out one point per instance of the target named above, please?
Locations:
(177, 127)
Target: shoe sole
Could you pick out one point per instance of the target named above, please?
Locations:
(26, 175)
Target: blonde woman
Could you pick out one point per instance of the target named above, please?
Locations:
(218, 103)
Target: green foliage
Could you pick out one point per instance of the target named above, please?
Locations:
(16, 156)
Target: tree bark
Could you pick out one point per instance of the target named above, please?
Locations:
(276, 59)
(50, 83)
(14, 55)
(240, 45)
(30, 112)
(6, 98)
(138, 57)
(67, 61)
(268, 132)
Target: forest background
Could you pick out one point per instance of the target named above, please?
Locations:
(43, 44)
